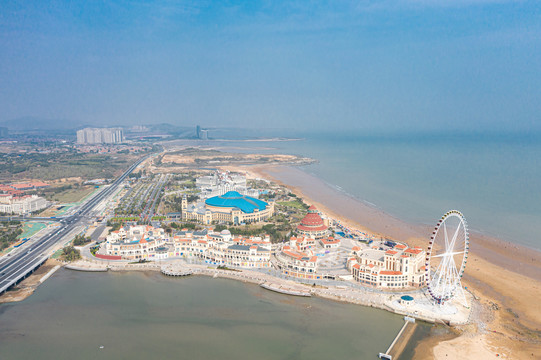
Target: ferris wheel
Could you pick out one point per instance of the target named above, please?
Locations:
(446, 258)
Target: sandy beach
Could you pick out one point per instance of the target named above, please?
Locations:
(504, 276)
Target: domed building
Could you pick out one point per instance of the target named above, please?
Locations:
(231, 207)
(313, 225)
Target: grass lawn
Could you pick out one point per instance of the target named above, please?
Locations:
(57, 254)
(295, 204)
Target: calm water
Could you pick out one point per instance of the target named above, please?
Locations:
(141, 316)
(494, 180)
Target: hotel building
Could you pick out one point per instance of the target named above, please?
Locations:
(146, 242)
(232, 207)
(298, 257)
(20, 205)
(136, 242)
(394, 268)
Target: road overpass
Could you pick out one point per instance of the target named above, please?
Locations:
(20, 265)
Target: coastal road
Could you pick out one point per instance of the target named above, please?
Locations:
(21, 264)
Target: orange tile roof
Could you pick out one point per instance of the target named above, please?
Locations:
(38, 184)
(21, 186)
(387, 272)
(391, 252)
(292, 254)
(414, 251)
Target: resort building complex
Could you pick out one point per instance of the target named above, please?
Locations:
(147, 242)
(135, 242)
(231, 207)
(313, 225)
(219, 183)
(391, 267)
(299, 258)
(314, 255)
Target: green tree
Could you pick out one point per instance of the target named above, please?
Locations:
(69, 253)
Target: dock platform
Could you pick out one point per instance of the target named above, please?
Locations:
(285, 290)
(388, 355)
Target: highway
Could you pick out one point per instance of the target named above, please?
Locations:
(17, 266)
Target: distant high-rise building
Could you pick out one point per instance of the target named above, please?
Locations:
(139, 128)
(198, 131)
(3, 132)
(100, 136)
(204, 135)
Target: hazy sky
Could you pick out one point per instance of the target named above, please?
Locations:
(417, 64)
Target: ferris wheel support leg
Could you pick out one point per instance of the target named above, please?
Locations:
(461, 296)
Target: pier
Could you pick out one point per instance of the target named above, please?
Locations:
(83, 268)
(169, 271)
(388, 355)
(285, 290)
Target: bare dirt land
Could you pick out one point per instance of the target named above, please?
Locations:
(27, 287)
(198, 158)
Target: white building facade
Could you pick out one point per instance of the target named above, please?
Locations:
(399, 267)
(22, 205)
(100, 136)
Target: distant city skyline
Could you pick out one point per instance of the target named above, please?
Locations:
(363, 65)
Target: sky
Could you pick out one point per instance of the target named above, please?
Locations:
(405, 65)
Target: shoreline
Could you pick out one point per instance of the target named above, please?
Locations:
(498, 251)
(503, 276)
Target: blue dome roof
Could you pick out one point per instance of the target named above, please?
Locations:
(233, 199)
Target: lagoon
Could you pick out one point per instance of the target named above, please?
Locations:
(148, 315)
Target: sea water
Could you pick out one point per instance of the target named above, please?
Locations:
(76, 315)
(494, 179)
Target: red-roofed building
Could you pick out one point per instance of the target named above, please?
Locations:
(330, 242)
(220, 248)
(22, 186)
(302, 243)
(395, 268)
(137, 243)
(5, 188)
(414, 251)
(39, 185)
(313, 225)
